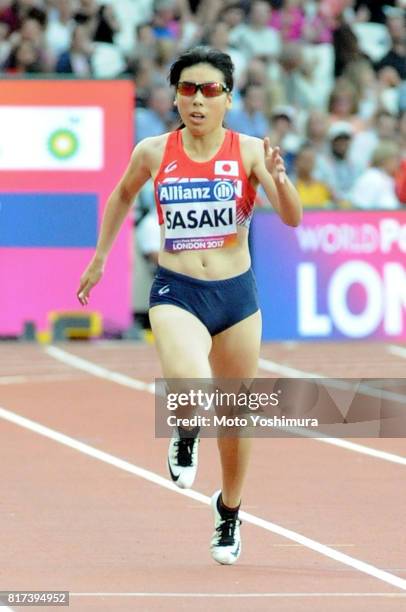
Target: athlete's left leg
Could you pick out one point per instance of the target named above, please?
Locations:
(235, 354)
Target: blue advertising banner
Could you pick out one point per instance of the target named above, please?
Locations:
(340, 275)
(48, 219)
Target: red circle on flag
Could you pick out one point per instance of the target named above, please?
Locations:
(226, 167)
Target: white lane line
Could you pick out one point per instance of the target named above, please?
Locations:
(237, 595)
(35, 378)
(399, 351)
(272, 366)
(284, 370)
(91, 451)
(363, 388)
(352, 446)
(301, 545)
(99, 371)
(133, 383)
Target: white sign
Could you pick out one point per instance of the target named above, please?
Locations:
(51, 138)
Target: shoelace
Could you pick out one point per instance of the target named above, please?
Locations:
(226, 531)
(184, 451)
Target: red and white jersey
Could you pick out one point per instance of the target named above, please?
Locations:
(201, 203)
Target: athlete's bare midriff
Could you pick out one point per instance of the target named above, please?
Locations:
(213, 264)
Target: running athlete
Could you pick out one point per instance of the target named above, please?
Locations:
(203, 306)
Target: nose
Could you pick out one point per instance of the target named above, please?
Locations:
(198, 97)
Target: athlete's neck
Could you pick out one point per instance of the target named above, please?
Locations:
(203, 146)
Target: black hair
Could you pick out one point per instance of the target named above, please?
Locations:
(38, 15)
(203, 55)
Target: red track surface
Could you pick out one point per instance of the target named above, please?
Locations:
(72, 522)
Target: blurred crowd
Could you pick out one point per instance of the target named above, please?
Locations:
(326, 79)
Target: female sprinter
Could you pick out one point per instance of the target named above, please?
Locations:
(204, 311)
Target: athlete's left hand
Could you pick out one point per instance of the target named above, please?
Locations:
(274, 162)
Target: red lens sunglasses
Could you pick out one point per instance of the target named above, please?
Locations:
(209, 90)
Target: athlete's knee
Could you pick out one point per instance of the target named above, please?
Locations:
(187, 368)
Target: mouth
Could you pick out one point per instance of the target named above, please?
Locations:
(197, 117)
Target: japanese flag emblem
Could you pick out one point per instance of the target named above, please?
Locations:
(226, 167)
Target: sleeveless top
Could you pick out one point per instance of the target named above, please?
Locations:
(201, 203)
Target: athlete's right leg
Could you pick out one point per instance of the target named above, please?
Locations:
(182, 341)
(183, 345)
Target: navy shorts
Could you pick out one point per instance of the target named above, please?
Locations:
(218, 304)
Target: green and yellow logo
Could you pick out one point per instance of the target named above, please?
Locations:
(63, 144)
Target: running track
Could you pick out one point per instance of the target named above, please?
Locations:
(86, 505)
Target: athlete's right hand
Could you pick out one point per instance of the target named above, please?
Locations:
(88, 280)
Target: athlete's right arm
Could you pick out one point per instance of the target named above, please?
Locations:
(119, 203)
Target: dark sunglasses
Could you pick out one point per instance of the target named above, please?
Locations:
(209, 90)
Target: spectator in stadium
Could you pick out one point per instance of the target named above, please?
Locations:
(77, 60)
(295, 78)
(396, 56)
(284, 135)
(158, 117)
(5, 44)
(146, 77)
(60, 26)
(32, 30)
(166, 49)
(250, 118)
(375, 188)
(15, 12)
(232, 14)
(145, 41)
(313, 193)
(336, 169)
(362, 76)
(23, 59)
(346, 47)
(164, 21)
(319, 26)
(289, 20)
(382, 127)
(401, 174)
(402, 96)
(209, 12)
(257, 38)
(148, 236)
(402, 134)
(217, 36)
(375, 9)
(256, 72)
(99, 19)
(316, 131)
(400, 180)
(9, 15)
(344, 105)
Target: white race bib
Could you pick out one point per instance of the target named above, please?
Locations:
(198, 215)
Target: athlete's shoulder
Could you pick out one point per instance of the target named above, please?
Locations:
(153, 144)
(251, 147)
(149, 151)
(252, 142)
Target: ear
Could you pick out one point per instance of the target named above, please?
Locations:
(229, 101)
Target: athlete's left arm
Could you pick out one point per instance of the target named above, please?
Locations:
(269, 169)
